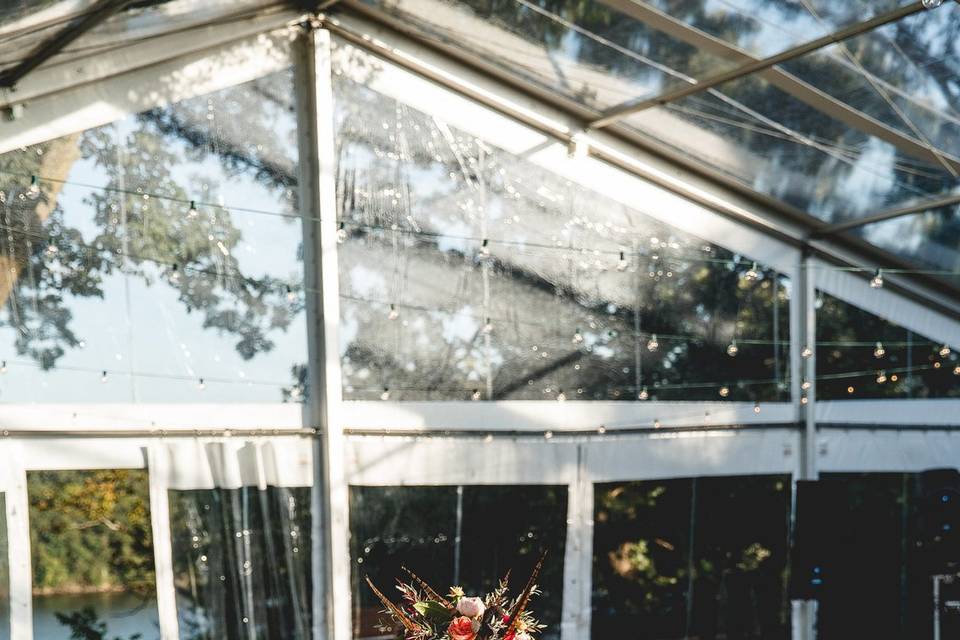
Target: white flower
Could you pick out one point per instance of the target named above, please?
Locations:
(471, 607)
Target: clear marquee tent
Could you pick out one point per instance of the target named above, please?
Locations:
(346, 278)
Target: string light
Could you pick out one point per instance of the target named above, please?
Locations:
(622, 263)
(601, 429)
(577, 337)
(547, 435)
(643, 395)
(881, 377)
(291, 294)
(879, 351)
(656, 423)
(806, 353)
(561, 396)
(850, 389)
(488, 326)
(752, 274)
(931, 4)
(485, 248)
(944, 351)
(103, 377)
(733, 349)
(3, 366)
(33, 191)
(341, 233)
(201, 385)
(393, 314)
(956, 371)
(653, 344)
(724, 391)
(756, 407)
(475, 395)
(192, 211)
(52, 249)
(174, 273)
(876, 282)
(386, 394)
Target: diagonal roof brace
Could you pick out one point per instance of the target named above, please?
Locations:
(889, 214)
(57, 42)
(767, 69)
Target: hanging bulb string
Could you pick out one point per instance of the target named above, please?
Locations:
(194, 204)
(289, 289)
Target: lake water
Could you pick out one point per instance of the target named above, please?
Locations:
(124, 614)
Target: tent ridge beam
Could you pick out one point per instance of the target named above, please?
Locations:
(55, 44)
(767, 69)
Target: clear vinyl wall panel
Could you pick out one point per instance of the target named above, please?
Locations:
(92, 554)
(156, 258)
(241, 562)
(4, 572)
(467, 272)
(692, 558)
(860, 355)
(468, 536)
(885, 536)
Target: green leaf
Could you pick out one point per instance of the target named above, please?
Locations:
(432, 611)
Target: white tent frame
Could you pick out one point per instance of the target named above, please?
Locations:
(361, 443)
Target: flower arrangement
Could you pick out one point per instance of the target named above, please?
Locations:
(424, 614)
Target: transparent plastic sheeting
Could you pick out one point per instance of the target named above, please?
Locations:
(240, 516)
(115, 289)
(468, 271)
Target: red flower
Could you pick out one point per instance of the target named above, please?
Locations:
(463, 628)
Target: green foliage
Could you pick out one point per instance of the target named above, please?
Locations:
(90, 530)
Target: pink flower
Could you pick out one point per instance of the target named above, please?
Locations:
(471, 607)
(463, 628)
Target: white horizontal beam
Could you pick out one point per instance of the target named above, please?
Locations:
(540, 416)
(151, 418)
(895, 412)
(902, 451)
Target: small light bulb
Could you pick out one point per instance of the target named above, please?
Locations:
(656, 424)
(733, 349)
(894, 378)
(103, 377)
(547, 435)
(881, 377)
(3, 366)
(804, 400)
(644, 394)
(487, 326)
(850, 389)
(577, 337)
(944, 351)
(601, 429)
(876, 282)
(622, 263)
(291, 294)
(806, 353)
(475, 395)
(393, 314)
(931, 4)
(52, 249)
(724, 391)
(956, 371)
(33, 191)
(752, 274)
(756, 407)
(561, 396)
(386, 394)
(805, 385)
(192, 211)
(937, 365)
(341, 234)
(653, 344)
(201, 385)
(485, 248)
(175, 273)
(879, 351)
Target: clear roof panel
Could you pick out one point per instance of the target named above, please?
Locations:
(930, 239)
(585, 51)
(906, 74)
(763, 28)
(777, 145)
